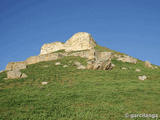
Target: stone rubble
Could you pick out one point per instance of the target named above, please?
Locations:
(80, 44)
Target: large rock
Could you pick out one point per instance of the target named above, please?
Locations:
(100, 65)
(79, 41)
(15, 66)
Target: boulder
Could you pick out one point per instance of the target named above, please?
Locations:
(124, 68)
(144, 77)
(106, 65)
(100, 65)
(65, 66)
(148, 64)
(57, 63)
(44, 83)
(81, 67)
(113, 65)
(76, 63)
(138, 70)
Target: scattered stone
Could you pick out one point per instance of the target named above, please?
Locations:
(76, 63)
(57, 63)
(144, 77)
(44, 83)
(124, 68)
(138, 70)
(148, 64)
(65, 66)
(113, 65)
(82, 67)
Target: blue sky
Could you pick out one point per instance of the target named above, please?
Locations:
(128, 26)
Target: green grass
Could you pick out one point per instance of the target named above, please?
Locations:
(73, 94)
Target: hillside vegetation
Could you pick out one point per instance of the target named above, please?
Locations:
(73, 94)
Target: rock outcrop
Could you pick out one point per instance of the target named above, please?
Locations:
(100, 65)
(102, 61)
(79, 41)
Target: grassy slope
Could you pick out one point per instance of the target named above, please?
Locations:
(73, 94)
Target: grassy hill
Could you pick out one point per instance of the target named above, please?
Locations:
(73, 94)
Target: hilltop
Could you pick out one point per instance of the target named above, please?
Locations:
(78, 80)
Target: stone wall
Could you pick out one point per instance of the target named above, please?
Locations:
(79, 41)
(15, 66)
(51, 47)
